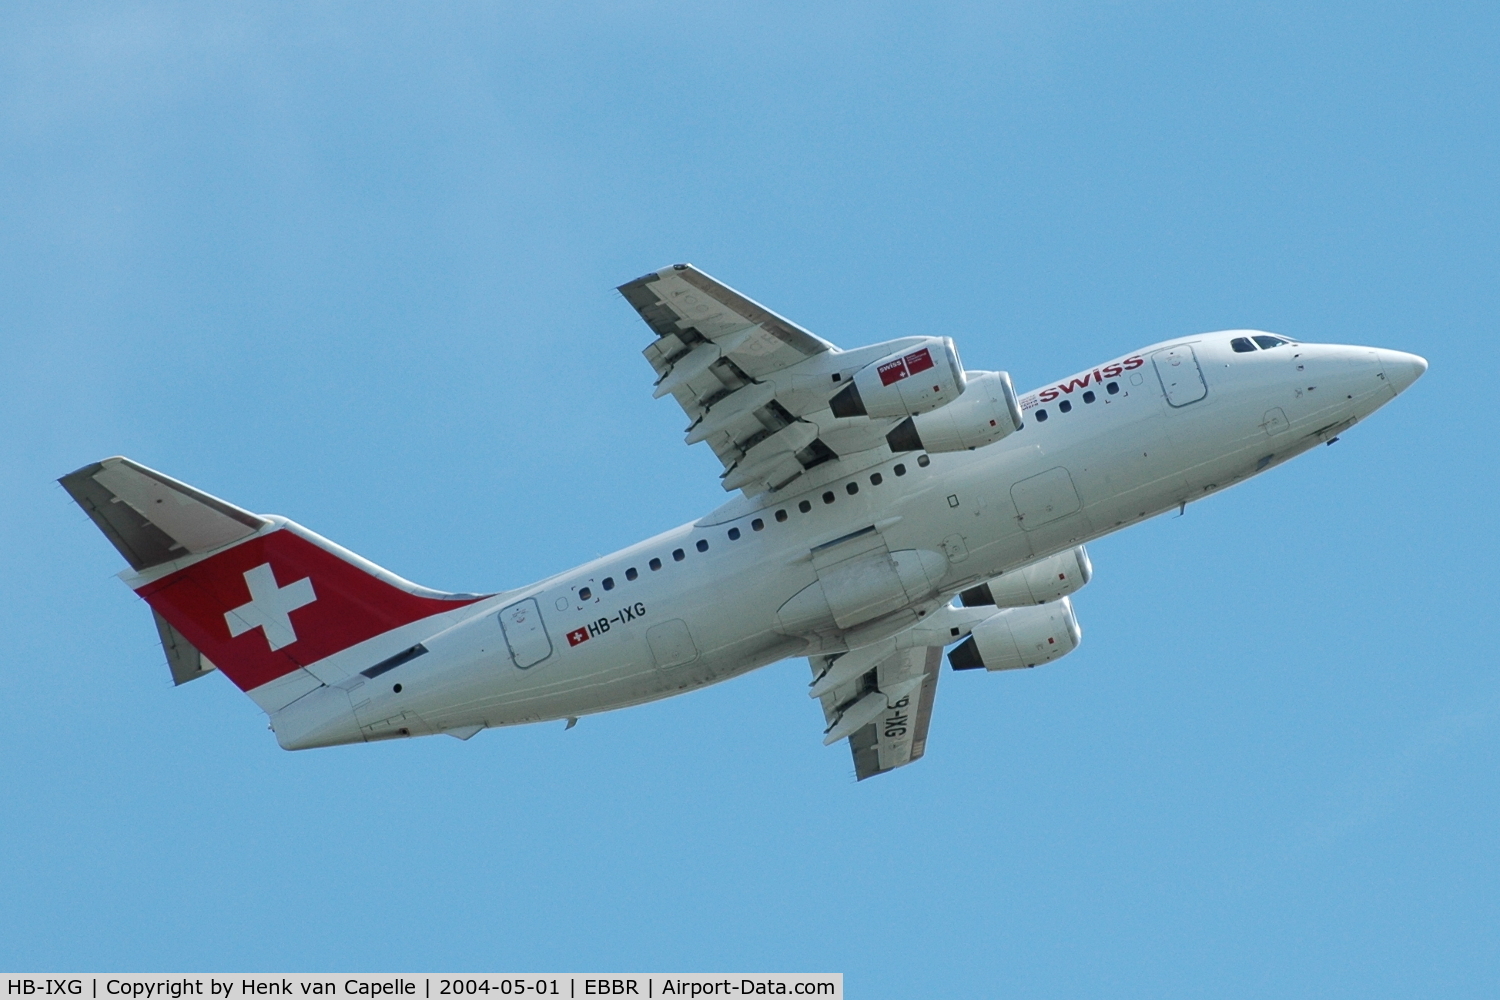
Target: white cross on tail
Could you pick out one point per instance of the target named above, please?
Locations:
(270, 608)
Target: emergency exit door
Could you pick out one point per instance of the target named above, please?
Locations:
(1181, 378)
(525, 634)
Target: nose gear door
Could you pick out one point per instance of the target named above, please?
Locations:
(1181, 378)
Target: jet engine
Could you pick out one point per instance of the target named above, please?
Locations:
(987, 412)
(1020, 637)
(911, 381)
(1036, 583)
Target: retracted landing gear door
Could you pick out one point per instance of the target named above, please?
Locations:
(525, 634)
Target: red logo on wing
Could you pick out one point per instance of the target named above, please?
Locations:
(578, 635)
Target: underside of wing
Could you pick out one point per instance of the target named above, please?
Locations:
(716, 352)
(687, 309)
(884, 712)
(774, 401)
(757, 387)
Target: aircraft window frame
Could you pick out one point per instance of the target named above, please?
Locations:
(1112, 387)
(1065, 406)
(851, 488)
(1275, 341)
(608, 583)
(702, 545)
(757, 525)
(585, 593)
(1243, 345)
(678, 555)
(876, 479)
(923, 461)
(781, 516)
(828, 496)
(1089, 397)
(631, 574)
(1041, 415)
(655, 564)
(734, 534)
(899, 469)
(804, 506)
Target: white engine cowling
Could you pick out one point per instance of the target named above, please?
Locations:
(1020, 637)
(1037, 583)
(987, 412)
(915, 380)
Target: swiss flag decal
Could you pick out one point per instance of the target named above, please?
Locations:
(578, 635)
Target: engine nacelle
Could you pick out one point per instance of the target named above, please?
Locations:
(1037, 583)
(987, 412)
(1020, 637)
(912, 381)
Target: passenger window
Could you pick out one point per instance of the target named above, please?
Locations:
(805, 506)
(1242, 345)
(757, 525)
(703, 545)
(1041, 416)
(876, 479)
(609, 583)
(1112, 388)
(923, 461)
(734, 534)
(1270, 342)
(1066, 406)
(781, 515)
(678, 555)
(631, 574)
(852, 488)
(828, 498)
(585, 593)
(1088, 397)
(655, 564)
(900, 469)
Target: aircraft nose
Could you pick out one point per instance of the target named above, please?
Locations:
(1402, 369)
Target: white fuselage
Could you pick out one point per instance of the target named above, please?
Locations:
(711, 612)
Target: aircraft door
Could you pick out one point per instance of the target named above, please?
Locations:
(525, 634)
(1181, 378)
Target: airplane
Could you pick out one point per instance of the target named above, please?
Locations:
(889, 504)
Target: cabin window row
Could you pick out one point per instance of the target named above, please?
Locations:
(1066, 406)
(756, 524)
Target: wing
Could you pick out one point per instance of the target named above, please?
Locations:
(885, 711)
(756, 386)
(699, 321)
(717, 352)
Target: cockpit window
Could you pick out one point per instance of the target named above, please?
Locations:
(1242, 345)
(1269, 342)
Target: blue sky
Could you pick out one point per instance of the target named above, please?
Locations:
(355, 264)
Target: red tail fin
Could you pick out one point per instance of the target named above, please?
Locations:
(279, 601)
(258, 597)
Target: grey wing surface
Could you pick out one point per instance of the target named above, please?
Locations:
(885, 713)
(715, 352)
